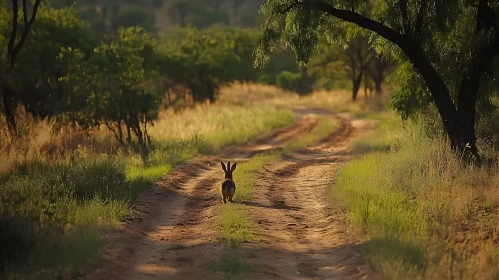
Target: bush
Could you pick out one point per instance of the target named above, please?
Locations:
(41, 204)
(288, 81)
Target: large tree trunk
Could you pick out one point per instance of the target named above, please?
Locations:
(9, 108)
(356, 86)
(377, 87)
(464, 134)
(378, 80)
(212, 96)
(459, 124)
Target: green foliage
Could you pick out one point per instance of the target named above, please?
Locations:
(201, 62)
(129, 16)
(107, 17)
(287, 80)
(46, 202)
(117, 95)
(35, 77)
(183, 12)
(241, 13)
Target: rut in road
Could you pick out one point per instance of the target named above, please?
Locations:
(174, 235)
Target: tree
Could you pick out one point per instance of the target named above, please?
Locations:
(19, 32)
(34, 80)
(452, 45)
(110, 87)
(130, 16)
(201, 63)
(358, 58)
(377, 70)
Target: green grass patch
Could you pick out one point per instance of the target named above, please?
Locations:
(324, 127)
(234, 266)
(246, 174)
(234, 224)
(385, 137)
(421, 207)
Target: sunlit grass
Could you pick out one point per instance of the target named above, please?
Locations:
(234, 224)
(324, 127)
(220, 125)
(428, 215)
(385, 137)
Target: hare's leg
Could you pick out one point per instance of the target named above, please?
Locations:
(224, 199)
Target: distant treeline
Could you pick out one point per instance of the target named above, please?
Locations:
(60, 69)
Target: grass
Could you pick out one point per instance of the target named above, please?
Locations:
(234, 224)
(427, 215)
(324, 127)
(58, 193)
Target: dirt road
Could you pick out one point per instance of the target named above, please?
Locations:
(302, 236)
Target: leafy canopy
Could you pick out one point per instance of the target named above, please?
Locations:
(445, 30)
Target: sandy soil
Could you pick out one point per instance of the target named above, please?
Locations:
(301, 236)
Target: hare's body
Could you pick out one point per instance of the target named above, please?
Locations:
(228, 187)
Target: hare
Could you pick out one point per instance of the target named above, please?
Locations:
(228, 186)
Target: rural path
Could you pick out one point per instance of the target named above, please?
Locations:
(301, 236)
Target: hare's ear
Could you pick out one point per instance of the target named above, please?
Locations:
(228, 166)
(223, 166)
(233, 167)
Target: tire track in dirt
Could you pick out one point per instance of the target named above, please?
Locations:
(173, 235)
(314, 242)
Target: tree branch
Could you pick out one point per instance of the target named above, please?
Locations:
(283, 9)
(14, 52)
(485, 17)
(25, 12)
(405, 17)
(13, 34)
(326, 61)
(362, 21)
(420, 19)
